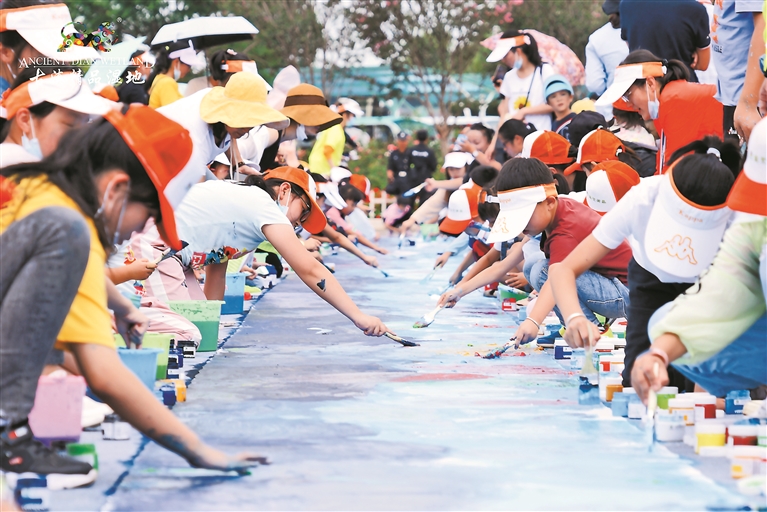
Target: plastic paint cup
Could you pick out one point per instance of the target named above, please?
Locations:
(84, 453)
(735, 400)
(577, 358)
(168, 392)
(743, 435)
(637, 409)
(612, 389)
(665, 394)
(709, 434)
(620, 405)
(142, 362)
(747, 461)
(669, 428)
(684, 407)
(161, 341)
(57, 411)
(522, 313)
(115, 429)
(234, 295)
(562, 350)
(30, 491)
(206, 315)
(608, 379)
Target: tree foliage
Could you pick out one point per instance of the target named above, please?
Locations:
(429, 44)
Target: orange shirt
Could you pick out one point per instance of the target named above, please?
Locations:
(688, 112)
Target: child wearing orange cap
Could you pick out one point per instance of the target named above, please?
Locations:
(715, 341)
(674, 224)
(121, 170)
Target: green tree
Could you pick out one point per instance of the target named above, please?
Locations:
(429, 44)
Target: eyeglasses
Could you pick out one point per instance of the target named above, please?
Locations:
(306, 212)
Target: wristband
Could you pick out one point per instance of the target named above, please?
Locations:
(536, 323)
(574, 315)
(660, 353)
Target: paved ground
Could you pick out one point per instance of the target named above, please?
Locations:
(355, 423)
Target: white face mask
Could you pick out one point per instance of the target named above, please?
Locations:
(653, 106)
(284, 209)
(116, 236)
(177, 73)
(301, 133)
(10, 70)
(32, 146)
(517, 62)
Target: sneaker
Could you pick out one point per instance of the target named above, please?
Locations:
(22, 453)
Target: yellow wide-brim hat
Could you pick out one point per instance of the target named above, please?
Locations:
(241, 104)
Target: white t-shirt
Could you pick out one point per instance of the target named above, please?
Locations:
(253, 144)
(628, 221)
(221, 220)
(12, 154)
(516, 89)
(186, 112)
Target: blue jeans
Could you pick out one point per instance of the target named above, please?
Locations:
(741, 365)
(596, 293)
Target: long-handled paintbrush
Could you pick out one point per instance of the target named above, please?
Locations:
(589, 377)
(427, 319)
(400, 340)
(649, 419)
(428, 277)
(413, 191)
(494, 354)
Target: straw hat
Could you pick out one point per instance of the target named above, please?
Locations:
(306, 105)
(241, 104)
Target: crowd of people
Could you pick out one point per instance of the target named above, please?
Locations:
(649, 204)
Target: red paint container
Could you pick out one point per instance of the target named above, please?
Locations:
(509, 305)
(705, 407)
(743, 435)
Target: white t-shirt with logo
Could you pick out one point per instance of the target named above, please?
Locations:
(516, 89)
(221, 220)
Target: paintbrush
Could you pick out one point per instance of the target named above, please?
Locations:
(403, 342)
(401, 239)
(494, 354)
(589, 377)
(649, 420)
(381, 271)
(413, 191)
(428, 277)
(427, 319)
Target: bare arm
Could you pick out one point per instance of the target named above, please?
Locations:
(319, 279)
(215, 281)
(338, 238)
(701, 59)
(746, 115)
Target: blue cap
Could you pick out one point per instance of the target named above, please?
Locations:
(556, 83)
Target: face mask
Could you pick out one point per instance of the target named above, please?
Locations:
(177, 73)
(32, 146)
(10, 70)
(100, 212)
(284, 209)
(653, 106)
(301, 133)
(517, 62)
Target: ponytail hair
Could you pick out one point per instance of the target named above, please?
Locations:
(530, 50)
(514, 127)
(218, 59)
(675, 69)
(705, 170)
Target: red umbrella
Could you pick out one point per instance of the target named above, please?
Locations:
(556, 53)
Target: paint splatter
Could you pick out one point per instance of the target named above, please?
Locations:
(321, 285)
(426, 377)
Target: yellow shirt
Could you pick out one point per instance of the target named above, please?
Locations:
(330, 144)
(89, 320)
(164, 91)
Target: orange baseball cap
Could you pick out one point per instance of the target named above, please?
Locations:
(548, 147)
(361, 183)
(462, 208)
(622, 104)
(750, 189)
(597, 146)
(163, 147)
(316, 221)
(607, 184)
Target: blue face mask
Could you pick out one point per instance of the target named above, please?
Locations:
(517, 63)
(284, 209)
(177, 73)
(32, 146)
(653, 106)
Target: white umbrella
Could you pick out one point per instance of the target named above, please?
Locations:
(207, 31)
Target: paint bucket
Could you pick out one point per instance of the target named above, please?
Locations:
(743, 435)
(508, 292)
(608, 379)
(637, 409)
(142, 362)
(709, 433)
(748, 461)
(205, 314)
(58, 409)
(562, 350)
(577, 357)
(132, 296)
(113, 428)
(168, 393)
(685, 407)
(620, 405)
(522, 313)
(509, 305)
(188, 347)
(613, 389)
(234, 296)
(161, 341)
(669, 428)
(30, 490)
(84, 453)
(735, 400)
(664, 394)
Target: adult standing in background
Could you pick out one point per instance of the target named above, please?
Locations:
(400, 175)
(522, 87)
(737, 41)
(422, 157)
(670, 29)
(329, 147)
(604, 52)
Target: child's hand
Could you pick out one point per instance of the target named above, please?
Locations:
(643, 377)
(131, 326)
(455, 278)
(516, 280)
(526, 332)
(450, 298)
(209, 458)
(141, 269)
(381, 250)
(371, 260)
(442, 259)
(371, 325)
(580, 332)
(312, 244)
(430, 184)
